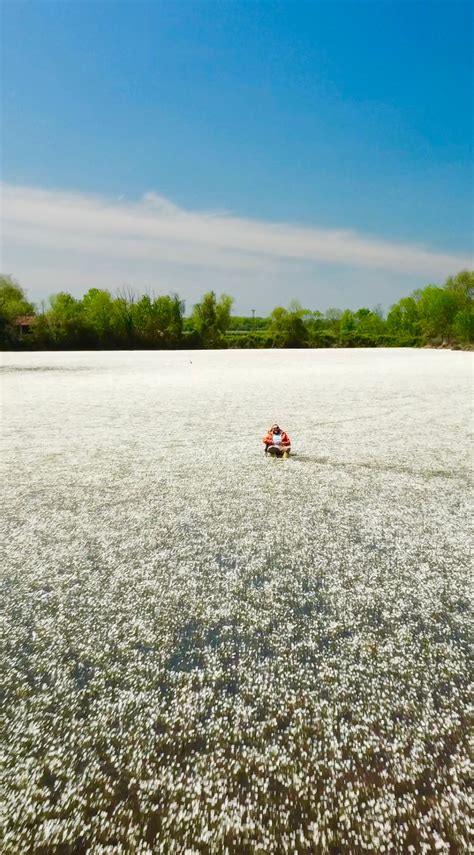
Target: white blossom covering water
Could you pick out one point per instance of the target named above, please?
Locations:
(208, 651)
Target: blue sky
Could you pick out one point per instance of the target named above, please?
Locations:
(317, 150)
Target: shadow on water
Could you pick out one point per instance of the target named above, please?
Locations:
(42, 369)
(399, 469)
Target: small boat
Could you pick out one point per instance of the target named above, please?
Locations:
(278, 451)
(277, 442)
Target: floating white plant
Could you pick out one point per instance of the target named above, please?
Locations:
(211, 651)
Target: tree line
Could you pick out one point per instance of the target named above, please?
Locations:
(434, 315)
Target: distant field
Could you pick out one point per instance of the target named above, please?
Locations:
(209, 651)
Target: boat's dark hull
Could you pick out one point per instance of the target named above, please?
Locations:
(278, 451)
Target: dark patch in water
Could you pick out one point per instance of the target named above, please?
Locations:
(10, 369)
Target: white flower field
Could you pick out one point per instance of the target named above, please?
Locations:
(209, 651)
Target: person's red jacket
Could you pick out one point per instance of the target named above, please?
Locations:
(268, 438)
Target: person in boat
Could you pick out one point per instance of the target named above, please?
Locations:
(277, 439)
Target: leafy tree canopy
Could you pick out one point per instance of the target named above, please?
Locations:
(431, 315)
(211, 318)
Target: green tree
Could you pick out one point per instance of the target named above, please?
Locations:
(248, 324)
(461, 287)
(403, 321)
(463, 325)
(211, 319)
(318, 333)
(125, 304)
(13, 304)
(160, 320)
(462, 284)
(432, 314)
(287, 326)
(333, 317)
(437, 308)
(370, 326)
(62, 324)
(347, 327)
(100, 317)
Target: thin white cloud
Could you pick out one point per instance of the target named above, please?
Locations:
(155, 228)
(54, 241)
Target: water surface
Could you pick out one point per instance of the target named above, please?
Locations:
(210, 651)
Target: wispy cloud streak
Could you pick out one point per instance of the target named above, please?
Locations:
(155, 229)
